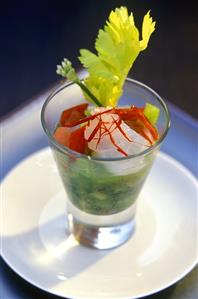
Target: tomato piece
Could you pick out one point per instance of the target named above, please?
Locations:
(73, 114)
(62, 135)
(73, 139)
(128, 113)
(77, 141)
(86, 119)
(136, 119)
(147, 124)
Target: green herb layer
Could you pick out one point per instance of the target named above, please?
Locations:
(95, 190)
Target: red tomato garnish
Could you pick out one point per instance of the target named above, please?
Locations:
(73, 114)
(77, 141)
(86, 119)
(62, 135)
(74, 139)
(135, 118)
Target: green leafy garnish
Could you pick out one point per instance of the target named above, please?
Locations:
(152, 113)
(117, 46)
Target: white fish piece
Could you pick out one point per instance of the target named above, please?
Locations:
(130, 142)
(108, 139)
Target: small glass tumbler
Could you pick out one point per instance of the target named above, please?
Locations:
(102, 192)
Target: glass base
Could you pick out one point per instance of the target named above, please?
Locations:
(103, 237)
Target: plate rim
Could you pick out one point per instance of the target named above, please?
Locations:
(160, 154)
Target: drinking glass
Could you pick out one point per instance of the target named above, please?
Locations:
(101, 193)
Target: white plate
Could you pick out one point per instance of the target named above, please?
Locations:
(35, 245)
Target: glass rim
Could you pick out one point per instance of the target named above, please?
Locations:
(67, 150)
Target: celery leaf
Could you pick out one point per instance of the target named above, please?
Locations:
(117, 45)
